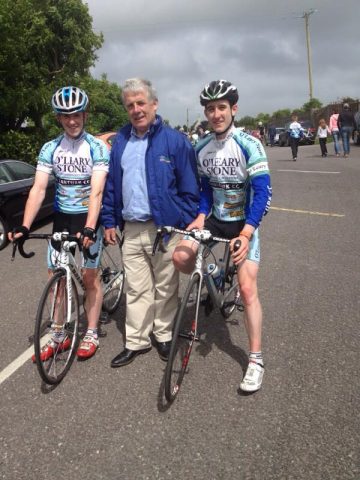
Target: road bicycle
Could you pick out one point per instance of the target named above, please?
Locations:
(59, 305)
(223, 293)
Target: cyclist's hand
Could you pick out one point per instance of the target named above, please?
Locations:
(89, 237)
(239, 255)
(110, 236)
(197, 224)
(18, 232)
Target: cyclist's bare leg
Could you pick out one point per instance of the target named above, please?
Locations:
(94, 296)
(247, 277)
(184, 256)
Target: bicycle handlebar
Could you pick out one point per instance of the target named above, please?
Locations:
(56, 236)
(203, 236)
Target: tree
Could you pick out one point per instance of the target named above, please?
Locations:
(312, 104)
(45, 44)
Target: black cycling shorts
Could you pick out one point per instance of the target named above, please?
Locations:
(222, 229)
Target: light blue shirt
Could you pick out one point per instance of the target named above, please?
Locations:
(134, 186)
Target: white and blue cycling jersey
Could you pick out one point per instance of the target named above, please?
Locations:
(295, 130)
(72, 161)
(235, 178)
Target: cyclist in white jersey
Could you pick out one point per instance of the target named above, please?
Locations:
(79, 163)
(235, 195)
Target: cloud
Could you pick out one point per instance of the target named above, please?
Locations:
(261, 47)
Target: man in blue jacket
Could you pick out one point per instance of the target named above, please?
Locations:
(152, 181)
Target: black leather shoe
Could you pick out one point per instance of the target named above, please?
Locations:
(163, 349)
(127, 356)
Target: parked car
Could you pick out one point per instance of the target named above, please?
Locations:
(307, 139)
(276, 139)
(356, 134)
(16, 180)
(107, 137)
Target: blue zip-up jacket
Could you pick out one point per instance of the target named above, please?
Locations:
(171, 174)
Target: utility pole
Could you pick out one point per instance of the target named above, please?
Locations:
(306, 16)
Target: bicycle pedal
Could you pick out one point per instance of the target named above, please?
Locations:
(104, 317)
(102, 333)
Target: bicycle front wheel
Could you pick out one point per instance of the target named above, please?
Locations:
(56, 314)
(184, 335)
(112, 277)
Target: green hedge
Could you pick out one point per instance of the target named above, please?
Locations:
(20, 146)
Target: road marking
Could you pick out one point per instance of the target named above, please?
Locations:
(309, 212)
(19, 362)
(16, 364)
(308, 171)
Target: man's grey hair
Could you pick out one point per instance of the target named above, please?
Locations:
(135, 85)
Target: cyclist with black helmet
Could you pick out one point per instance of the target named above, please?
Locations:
(79, 163)
(235, 195)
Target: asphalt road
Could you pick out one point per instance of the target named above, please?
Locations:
(103, 423)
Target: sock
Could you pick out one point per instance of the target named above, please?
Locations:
(256, 357)
(58, 336)
(92, 332)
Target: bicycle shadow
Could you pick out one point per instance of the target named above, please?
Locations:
(214, 331)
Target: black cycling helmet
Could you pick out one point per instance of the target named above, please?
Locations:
(219, 90)
(69, 100)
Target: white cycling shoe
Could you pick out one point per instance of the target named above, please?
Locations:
(253, 377)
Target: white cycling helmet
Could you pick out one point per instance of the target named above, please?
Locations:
(219, 89)
(69, 100)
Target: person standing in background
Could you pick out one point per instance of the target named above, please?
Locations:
(322, 133)
(334, 129)
(272, 133)
(295, 132)
(346, 125)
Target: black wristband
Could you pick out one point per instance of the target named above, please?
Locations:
(89, 233)
(23, 230)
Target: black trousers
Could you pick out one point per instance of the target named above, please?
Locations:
(294, 144)
(322, 142)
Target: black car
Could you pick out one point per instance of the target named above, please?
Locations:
(16, 179)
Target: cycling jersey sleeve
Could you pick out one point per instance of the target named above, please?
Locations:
(259, 195)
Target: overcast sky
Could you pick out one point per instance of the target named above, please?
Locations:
(259, 45)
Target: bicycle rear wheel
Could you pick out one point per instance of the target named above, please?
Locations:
(53, 313)
(232, 298)
(184, 335)
(112, 276)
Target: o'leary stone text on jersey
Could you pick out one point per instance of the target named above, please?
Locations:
(73, 161)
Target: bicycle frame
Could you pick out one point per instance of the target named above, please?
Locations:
(64, 260)
(216, 294)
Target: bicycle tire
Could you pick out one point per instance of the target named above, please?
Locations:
(112, 278)
(231, 294)
(53, 370)
(184, 335)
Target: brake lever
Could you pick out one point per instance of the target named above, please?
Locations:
(13, 251)
(156, 241)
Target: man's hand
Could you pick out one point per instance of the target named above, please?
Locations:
(240, 254)
(89, 237)
(110, 236)
(18, 232)
(197, 224)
